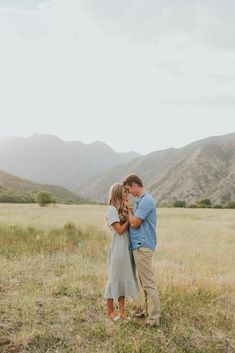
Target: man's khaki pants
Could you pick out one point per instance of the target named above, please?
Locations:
(144, 264)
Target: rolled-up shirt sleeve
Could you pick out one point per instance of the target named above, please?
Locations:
(144, 208)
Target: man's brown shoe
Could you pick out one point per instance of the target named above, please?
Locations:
(140, 315)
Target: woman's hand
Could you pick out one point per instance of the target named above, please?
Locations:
(127, 204)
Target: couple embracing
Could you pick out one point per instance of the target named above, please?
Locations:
(132, 249)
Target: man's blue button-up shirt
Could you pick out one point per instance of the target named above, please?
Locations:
(145, 234)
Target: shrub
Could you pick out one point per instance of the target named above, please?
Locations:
(203, 205)
(179, 203)
(44, 198)
(218, 206)
(69, 226)
(206, 202)
(230, 204)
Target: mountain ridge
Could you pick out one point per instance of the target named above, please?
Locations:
(204, 168)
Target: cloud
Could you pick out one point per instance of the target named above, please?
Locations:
(203, 22)
(21, 22)
(173, 67)
(221, 78)
(142, 21)
(22, 3)
(22, 18)
(209, 22)
(224, 101)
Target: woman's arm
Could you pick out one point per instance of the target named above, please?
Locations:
(120, 228)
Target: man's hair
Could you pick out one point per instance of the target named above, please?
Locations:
(130, 179)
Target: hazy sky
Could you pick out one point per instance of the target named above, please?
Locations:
(139, 75)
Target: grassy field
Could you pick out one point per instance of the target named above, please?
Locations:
(53, 272)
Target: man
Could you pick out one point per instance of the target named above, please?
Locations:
(143, 243)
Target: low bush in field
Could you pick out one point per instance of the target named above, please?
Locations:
(192, 205)
(179, 203)
(44, 198)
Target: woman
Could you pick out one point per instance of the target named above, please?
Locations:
(122, 279)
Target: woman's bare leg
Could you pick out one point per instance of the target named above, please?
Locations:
(121, 302)
(110, 309)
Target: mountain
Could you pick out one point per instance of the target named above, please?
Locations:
(13, 187)
(202, 169)
(48, 159)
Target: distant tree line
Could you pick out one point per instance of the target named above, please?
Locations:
(13, 196)
(204, 203)
(43, 198)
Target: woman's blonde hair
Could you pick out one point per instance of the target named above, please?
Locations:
(116, 200)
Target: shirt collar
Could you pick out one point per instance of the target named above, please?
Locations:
(140, 197)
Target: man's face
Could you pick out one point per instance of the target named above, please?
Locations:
(133, 189)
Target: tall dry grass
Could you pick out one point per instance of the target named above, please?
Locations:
(53, 272)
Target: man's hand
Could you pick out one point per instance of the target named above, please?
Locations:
(135, 222)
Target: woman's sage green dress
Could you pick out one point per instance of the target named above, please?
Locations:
(122, 276)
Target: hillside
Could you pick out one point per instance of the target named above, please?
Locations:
(202, 169)
(12, 187)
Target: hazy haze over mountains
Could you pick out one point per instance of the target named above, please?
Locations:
(48, 159)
